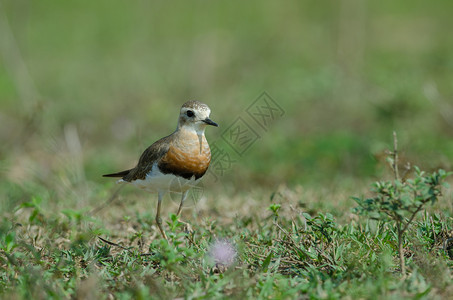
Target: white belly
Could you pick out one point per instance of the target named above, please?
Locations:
(156, 181)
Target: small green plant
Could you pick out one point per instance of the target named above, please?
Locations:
(274, 208)
(8, 243)
(323, 225)
(36, 215)
(399, 201)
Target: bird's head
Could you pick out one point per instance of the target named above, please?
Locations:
(194, 115)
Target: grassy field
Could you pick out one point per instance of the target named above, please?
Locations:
(86, 86)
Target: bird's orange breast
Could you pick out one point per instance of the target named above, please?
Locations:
(187, 157)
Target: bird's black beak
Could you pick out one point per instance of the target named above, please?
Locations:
(210, 122)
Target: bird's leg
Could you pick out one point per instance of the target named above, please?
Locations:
(158, 218)
(183, 198)
(186, 228)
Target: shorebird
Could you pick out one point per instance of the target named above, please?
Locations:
(176, 162)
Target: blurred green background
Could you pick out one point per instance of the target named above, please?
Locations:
(86, 86)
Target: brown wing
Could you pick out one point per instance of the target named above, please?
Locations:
(146, 161)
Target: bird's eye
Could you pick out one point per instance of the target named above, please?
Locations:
(190, 113)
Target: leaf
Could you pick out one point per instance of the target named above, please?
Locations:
(9, 241)
(374, 215)
(406, 200)
(400, 212)
(267, 261)
(9, 238)
(358, 200)
(33, 215)
(173, 217)
(339, 252)
(307, 216)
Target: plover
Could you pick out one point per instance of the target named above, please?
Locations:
(176, 162)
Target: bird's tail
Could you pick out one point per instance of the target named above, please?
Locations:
(119, 174)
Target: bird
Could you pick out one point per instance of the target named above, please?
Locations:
(176, 162)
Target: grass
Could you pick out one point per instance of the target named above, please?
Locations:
(282, 252)
(86, 86)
